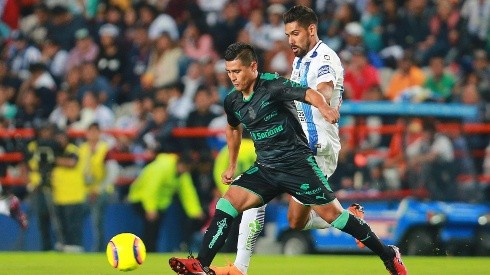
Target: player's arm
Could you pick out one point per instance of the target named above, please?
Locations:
(326, 89)
(233, 140)
(318, 100)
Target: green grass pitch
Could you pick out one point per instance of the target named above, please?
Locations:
(24, 263)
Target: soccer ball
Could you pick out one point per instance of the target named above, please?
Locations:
(126, 252)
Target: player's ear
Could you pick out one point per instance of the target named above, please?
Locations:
(254, 66)
(312, 29)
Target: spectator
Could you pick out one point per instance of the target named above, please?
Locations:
(138, 58)
(72, 117)
(226, 30)
(20, 55)
(55, 59)
(146, 14)
(414, 23)
(91, 80)
(163, 23)
(35, 25)
(360, 76)
(395, 162)
(431, 163)
(112, 61)
(477, 16)
(393, 38)
(132, 115)
(152, 193)
(85, 50)
(279, 58)
(371, 22)
(165, 58)
(103, 115)
(258, 31)
(344, 14)
(10, 81)
(275, 25)
(439, 82)
(44, 86)
(10, 14)
(212, 10)
(197, 43)
(69, 194)
(63, 25)
(100, 174)
(179, 106)
(62, 97)
(192, 79)
(442, 25)
(40, 155)
(464, 164)
(156, 135)
(29, 113)
(8, 110)
(406, 79)
(481, 69)
(201, 116)
(222, 82)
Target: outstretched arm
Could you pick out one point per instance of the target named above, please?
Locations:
(318, 100)
(233, 139)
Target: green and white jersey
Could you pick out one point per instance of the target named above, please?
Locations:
(270, 117)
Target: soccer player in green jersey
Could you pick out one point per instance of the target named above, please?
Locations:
(263, 105)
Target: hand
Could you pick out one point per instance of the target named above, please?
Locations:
(227, 176)
(330, 114)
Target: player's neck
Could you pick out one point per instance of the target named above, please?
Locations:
(313, 43)
(250, 89)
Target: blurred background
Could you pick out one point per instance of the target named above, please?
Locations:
(95, 93)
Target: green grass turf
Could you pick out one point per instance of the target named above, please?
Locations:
(96, 263)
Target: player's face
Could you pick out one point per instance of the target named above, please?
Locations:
(241, 76)
(299, 38)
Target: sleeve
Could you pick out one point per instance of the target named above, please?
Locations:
(188, 196)
(287, 90)
(325, 70)
(230, 115)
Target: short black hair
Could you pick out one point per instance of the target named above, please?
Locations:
(301, 14)
(241, 51)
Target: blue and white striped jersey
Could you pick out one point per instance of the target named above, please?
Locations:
(321, 64)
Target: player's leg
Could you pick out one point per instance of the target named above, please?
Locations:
(300, 217)
(359, 229)
(235, 201)
(250, 227)
(249, 190)
(320, 196)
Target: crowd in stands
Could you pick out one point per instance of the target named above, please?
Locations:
(149, 66)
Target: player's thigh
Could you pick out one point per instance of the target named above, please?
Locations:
(242, 199)
(306, 182)
(253, 183)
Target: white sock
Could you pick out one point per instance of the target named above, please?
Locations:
(315, 222)
(4, 206)
(250, 227)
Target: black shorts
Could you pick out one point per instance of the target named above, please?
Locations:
(305, 181)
